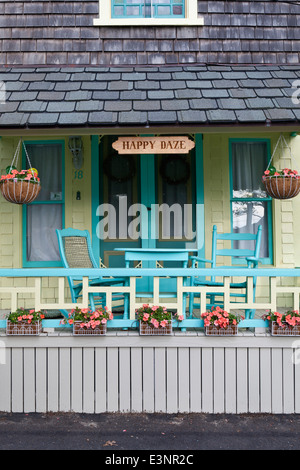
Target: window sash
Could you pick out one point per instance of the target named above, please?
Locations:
(148, 9)
(51, 195)
(253, 196)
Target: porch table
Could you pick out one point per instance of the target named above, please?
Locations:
(156, 255)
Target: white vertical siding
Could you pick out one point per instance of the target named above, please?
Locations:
(128, 373)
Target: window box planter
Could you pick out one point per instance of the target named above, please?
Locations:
(286, 330)
(284, 324)
(218, 322)
(23, 328)
(155, 320)
(24, 322)
(88, 323)
(212, 330)
(151, 330)
(79, 330)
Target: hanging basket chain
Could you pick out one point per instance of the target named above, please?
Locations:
(282, 140)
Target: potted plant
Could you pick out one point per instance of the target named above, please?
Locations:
(86, 322)
(24, 322)
(281, 184)
(218, 322)
(284, 324)
(20, 187)
(155, 320)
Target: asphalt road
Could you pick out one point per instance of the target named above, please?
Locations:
(157, 433)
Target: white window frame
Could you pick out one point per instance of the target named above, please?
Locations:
(191, 18)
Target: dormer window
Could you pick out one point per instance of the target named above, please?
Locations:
(148, 13)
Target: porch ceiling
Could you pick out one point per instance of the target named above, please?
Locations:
(47, 97)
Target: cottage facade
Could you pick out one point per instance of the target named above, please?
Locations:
(223, 75)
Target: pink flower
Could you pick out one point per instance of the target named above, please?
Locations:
(155, 323)
(164, 323)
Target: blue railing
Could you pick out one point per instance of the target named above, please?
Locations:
(150, 272)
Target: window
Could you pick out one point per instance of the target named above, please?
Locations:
(46, 214)
(148, 12)
(250, 204)
(148, 9)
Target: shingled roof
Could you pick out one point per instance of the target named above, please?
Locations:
(140, 96)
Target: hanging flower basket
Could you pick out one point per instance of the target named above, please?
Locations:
(20, 187)
(281, 184)
(19, 191)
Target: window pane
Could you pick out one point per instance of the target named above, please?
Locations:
(133, 11)
(47, 159)
(163, 10)
(148, 9)
(42, 221)
(249, 161)
(246, 217)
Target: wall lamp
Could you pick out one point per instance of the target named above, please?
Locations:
(76, 148)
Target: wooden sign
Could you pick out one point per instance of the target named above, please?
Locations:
(151, 145)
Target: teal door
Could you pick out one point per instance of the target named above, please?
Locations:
(147, 201)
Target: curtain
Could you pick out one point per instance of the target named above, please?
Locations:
(248, 165)
(43, 219)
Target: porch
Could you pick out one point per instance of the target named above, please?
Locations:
(27, 284)
(124, 372)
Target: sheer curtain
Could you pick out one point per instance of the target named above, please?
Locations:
(248, 164)
(44, 216)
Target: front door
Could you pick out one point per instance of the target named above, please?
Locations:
(146, 201)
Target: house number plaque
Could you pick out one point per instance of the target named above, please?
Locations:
(152, 145)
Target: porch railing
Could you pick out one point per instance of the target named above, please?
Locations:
(181, 274)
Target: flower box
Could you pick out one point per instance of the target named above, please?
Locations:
(24, 322)
(212, 330)
(156, 320)
(284, 324)
(151, 330)
(218, 322)
(286, 330)
(23, 328)
(79, 329)
(88, 323)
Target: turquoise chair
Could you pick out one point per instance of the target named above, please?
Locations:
(76, 252)
(248, 257)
